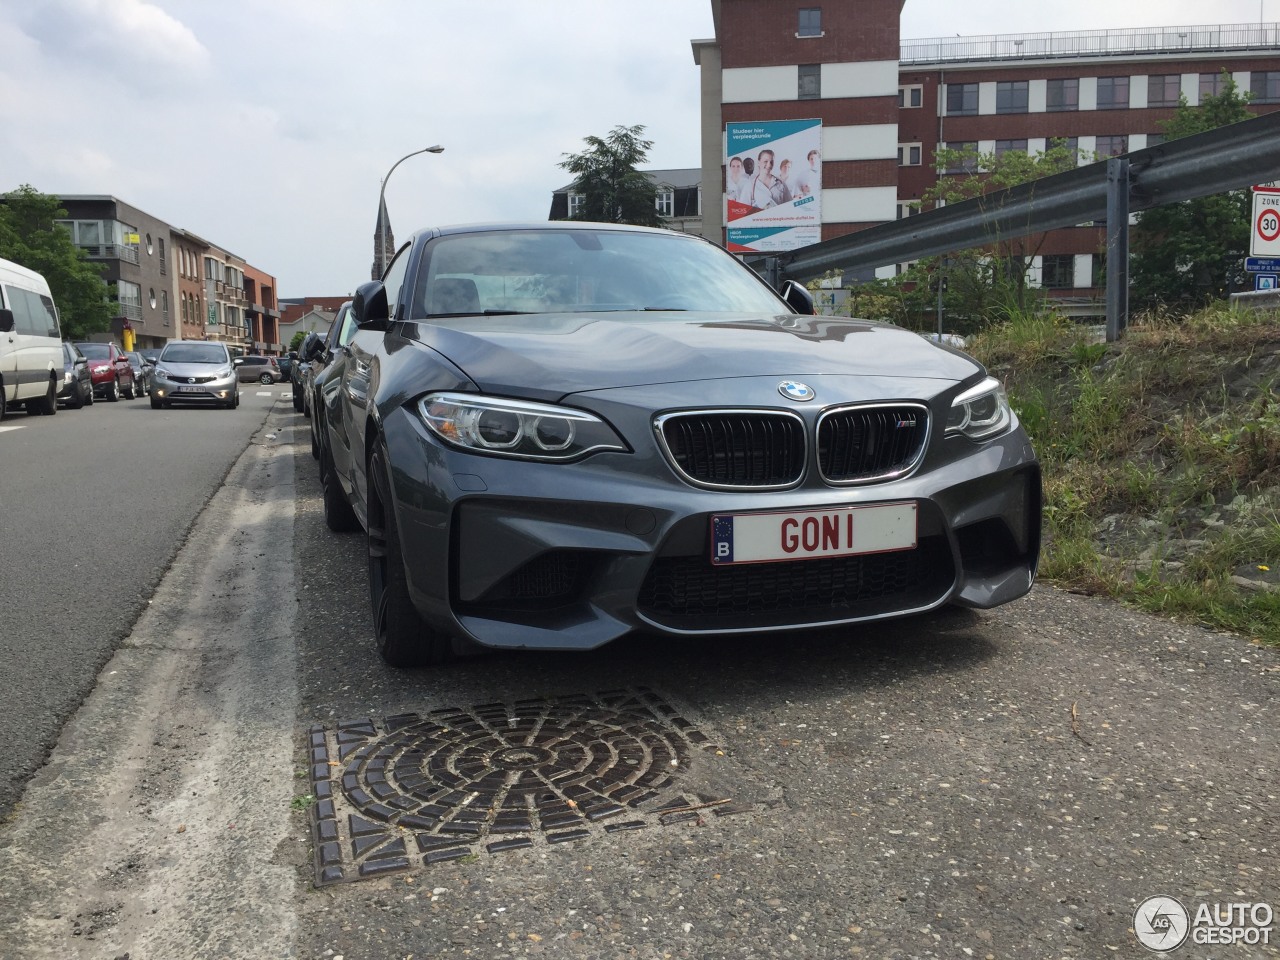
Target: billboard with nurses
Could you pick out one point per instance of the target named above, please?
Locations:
(773, 185)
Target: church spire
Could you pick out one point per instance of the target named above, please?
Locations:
(382, 233)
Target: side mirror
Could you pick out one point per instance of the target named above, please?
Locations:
(370, 306)
(237, 361)
(798, 298)
(6, 321)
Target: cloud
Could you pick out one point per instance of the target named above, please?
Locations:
(120, 36)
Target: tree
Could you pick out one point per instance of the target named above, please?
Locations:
(983, 282)
(29, 236)
(613, 190)
(296, 342)
(1192, 252)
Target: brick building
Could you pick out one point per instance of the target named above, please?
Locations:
(886, 105)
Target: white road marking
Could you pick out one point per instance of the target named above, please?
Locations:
(16, 426)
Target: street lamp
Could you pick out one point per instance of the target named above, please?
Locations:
(382, 220)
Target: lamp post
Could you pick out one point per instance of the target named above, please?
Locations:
(382, 221)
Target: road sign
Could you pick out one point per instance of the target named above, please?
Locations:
(1266, 281)
(1262, 264)
(1265, 240)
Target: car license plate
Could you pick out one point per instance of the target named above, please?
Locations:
(188, 389)
(808, 534)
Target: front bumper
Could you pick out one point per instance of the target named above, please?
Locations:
(572, 556)
(188, 390)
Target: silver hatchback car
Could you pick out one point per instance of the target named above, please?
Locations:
(194, 371)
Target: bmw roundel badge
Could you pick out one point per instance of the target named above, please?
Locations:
(794, 390)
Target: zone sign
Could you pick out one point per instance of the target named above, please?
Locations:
(1265, 240)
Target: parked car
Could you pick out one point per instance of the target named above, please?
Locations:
(76, 388)
(150, 354)
(112, 373)
(285, 363)
(261, 369)
(195, 371)
(141, 372)
(573, 431)
(30, 355)
(316, 354)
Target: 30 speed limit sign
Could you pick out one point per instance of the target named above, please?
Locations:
(1266, 222)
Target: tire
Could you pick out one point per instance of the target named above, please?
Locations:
(155, 403)
(113, 394)
(132, 391)
(76, 400)
(88, 395)
(315, 443)
(4, 403)
(45, 406)
(338, 515)
(297, 402)
(403, 638)
(267, 378)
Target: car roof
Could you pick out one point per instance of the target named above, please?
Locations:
(544, 225)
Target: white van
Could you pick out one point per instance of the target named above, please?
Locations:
(30, 341)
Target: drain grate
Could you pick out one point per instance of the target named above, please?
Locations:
(415, 790)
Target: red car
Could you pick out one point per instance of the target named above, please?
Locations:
(109, 366)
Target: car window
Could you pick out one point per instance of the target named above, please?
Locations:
(393, 280)
(196, 352)
(554, 271)
(348, 328)
(95, 351)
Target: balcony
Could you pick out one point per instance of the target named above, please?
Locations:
(110, 251)
(1094, 43)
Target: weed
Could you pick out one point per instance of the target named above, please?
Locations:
(302, 803)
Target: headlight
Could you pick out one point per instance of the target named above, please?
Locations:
(66, 376)
(515, 428)
(980, 412)
(101, 369)
(162, 373)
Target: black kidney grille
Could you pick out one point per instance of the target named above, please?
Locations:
(871, 443)
(737, 449)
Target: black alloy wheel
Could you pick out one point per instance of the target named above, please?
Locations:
(403, 638)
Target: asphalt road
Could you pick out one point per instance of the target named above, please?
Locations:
(96, 502)
(1010, 784)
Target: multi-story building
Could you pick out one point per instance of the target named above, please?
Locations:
(188, 256)
(135, 249)
(261, 311)
(677, 196)
(880, 108)
(171, 284)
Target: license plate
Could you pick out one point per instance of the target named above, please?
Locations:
(809, 534)
(187, 389)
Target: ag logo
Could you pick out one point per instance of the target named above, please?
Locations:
(1161, 924)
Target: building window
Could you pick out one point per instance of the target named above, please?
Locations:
(665, 202)
(962, 99)
(1070, 144)
(1062, 95)
(1058, 271)
(1155, 139)
(909, 154)
(164, 305)
(1113, 93)
(1011, 96)
(810, 22)
(1010, 146)
(966, 158)
(809, 81)
(1265, 85)
(1212, 84)
(160, 246)
(911, 97)
(1164, 90)
(1113, 146)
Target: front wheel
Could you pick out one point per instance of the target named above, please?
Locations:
(155, 402)
(403, 638)
(132, 391)
(113, 392)
(46, 405)
(338, 515)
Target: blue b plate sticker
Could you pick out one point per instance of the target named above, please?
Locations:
(722, 539)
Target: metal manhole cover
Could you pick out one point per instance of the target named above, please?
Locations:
(414, 790)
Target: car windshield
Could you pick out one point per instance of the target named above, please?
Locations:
(556, 271)
(194, 353)
(95, 351)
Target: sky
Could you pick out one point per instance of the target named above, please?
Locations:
(267, 126)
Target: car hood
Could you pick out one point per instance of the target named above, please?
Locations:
(552, 355)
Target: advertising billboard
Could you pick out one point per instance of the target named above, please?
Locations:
(773, 185)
